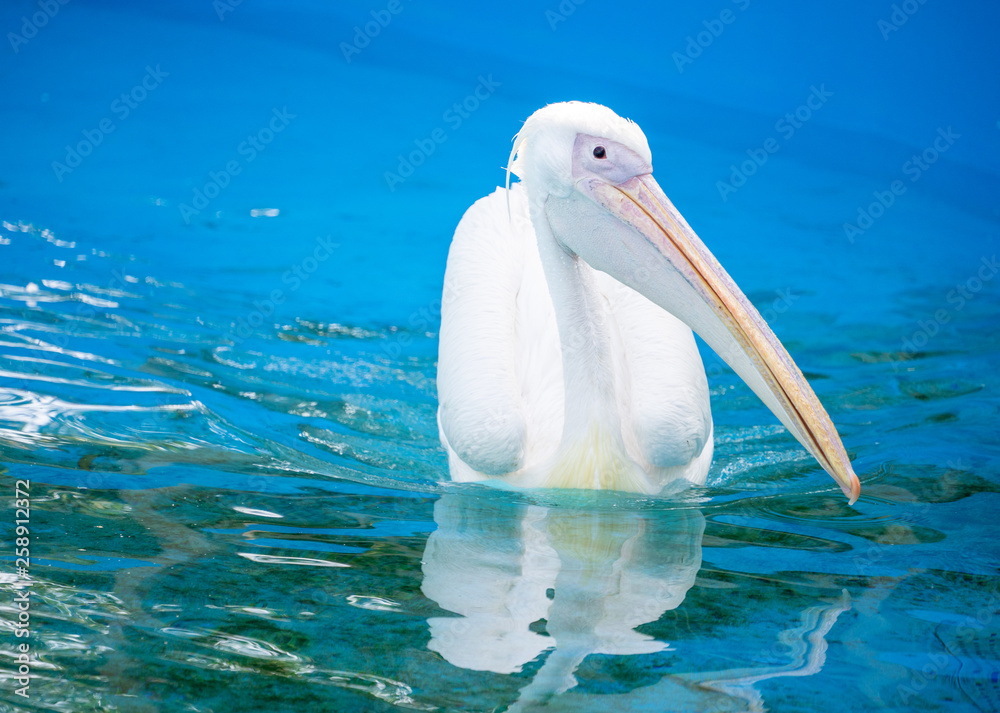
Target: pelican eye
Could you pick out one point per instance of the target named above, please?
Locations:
(599, 152)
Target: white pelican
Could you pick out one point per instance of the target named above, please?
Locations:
(566, 355)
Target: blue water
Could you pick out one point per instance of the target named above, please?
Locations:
(225, 406)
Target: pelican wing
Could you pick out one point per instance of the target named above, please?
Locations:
(481, 415)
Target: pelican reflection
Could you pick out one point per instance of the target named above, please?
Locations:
(531, 583)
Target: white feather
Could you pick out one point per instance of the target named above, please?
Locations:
(500, 369)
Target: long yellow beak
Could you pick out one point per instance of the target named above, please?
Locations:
(720, 313)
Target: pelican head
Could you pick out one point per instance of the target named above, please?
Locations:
(588, 176)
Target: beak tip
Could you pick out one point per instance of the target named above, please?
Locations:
(852, 489)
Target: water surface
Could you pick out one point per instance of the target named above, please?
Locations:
(238, 499)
